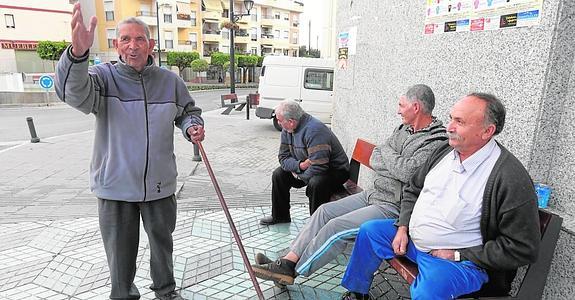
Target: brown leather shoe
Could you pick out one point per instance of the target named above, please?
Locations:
(271, 221)
(262, 259)
(281, 271)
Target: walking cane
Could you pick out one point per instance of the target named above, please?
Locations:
(231, 222)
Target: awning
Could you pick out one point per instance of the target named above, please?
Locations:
(213, 5)
(183, 8)
(206, 20)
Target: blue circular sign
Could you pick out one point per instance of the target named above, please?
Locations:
(46, 81)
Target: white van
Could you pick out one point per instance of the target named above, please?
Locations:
(308, 81)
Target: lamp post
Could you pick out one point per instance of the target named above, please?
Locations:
(158, 27)
(248, 4)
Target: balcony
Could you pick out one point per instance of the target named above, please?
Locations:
(183, 20)
(212, 36)
(187, 45)
(268, 20)
(147, 16)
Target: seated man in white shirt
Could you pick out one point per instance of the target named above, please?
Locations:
(468, 215)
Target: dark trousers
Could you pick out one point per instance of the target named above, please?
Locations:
(120, 230)
(318, 190)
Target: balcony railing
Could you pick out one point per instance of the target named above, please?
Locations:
(194, 44)
(267, 36)
(184, 17)
(145, 14)
(211, 31)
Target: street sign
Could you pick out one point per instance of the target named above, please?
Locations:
(46, 81)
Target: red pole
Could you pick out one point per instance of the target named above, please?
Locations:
(231, 223)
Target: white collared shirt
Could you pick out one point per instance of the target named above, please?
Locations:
(447, 212)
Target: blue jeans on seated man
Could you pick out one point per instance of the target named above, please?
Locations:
(437, 279)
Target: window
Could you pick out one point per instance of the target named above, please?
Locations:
(168, 40)
(226, 13)
(276, 15)
(225, 33)
(285, 35)
(254, 15)
(277, 34)
(167, 14)
(254, 50)
(254, 34)
(9, 21)
(316, 79)
(194, 40)
(111, 36)
(109, 9)
(294, 38)
(285, 16)
(193, 18)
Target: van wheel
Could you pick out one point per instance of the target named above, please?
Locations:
(276, 124)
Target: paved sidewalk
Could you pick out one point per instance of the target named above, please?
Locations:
(50, 247)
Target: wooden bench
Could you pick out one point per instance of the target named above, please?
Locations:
(230, 101)
(361, 155)
(535, 277)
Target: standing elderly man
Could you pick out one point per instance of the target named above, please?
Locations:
(310, 154)
(468, 215)
(133, 170)
(335, 224)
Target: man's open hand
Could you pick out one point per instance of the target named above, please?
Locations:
(82, 38)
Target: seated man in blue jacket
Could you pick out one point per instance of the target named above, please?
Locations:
(310, 155)
(468, 216)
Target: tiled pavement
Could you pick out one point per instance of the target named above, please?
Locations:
(50, 247)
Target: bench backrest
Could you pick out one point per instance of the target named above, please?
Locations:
(232, 97)
(361, 155)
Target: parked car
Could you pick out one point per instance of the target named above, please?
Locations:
(308, 81)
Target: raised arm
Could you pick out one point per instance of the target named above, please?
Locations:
(82, 37)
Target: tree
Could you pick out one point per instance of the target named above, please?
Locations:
(181, 60)
(218, 59)
(248, 64)
(302, 51)
(200, 65)
(50, 50)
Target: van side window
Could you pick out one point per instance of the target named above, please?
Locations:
(263, 71)
(316, 79)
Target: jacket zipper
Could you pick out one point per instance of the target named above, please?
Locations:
(147, 137)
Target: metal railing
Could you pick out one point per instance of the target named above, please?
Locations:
(142, 13)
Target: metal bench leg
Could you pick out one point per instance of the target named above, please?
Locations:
(228, 110)
(241, 106)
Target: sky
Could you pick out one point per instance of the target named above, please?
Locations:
(313, 9)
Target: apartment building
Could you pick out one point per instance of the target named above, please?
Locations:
(195, 25)
(23, 24)
(180, 25)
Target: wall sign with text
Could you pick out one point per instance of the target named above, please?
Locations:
(480, 15)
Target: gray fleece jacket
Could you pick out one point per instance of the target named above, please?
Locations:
(133, 158)
(399, 156)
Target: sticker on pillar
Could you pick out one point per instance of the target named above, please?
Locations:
(450, 26)
(509, 20)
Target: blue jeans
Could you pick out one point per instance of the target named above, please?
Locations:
(437, 279)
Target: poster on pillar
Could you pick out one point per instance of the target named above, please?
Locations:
(346, 46)
(442, 16)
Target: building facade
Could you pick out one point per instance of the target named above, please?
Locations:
(196, 25)
(179, 25)
(531, 68)
(23, 24)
